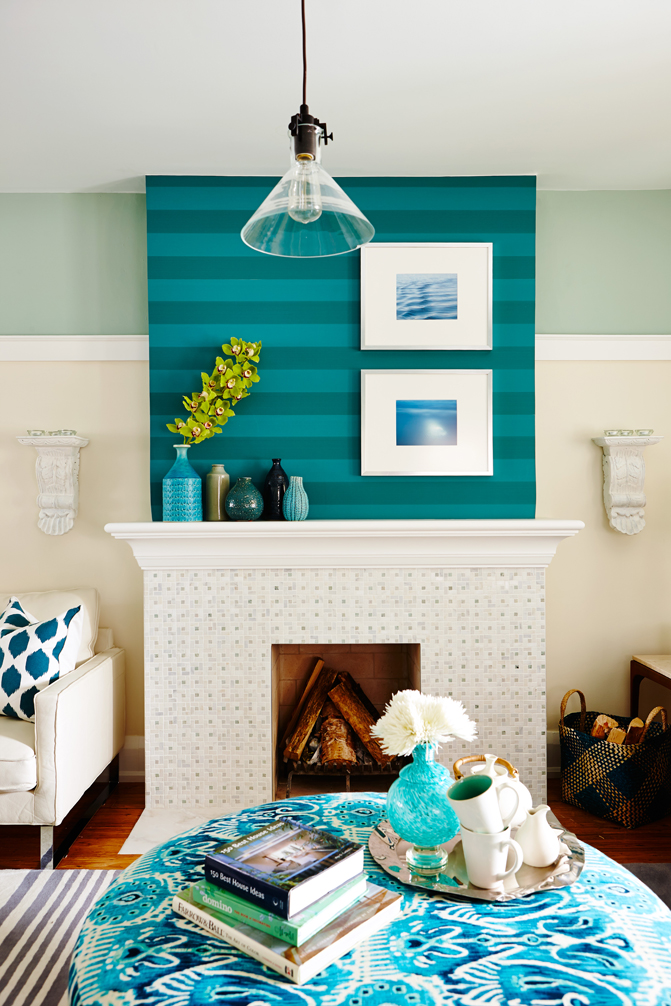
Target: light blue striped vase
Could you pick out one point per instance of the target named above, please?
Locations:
(295, 503)
(182, 489)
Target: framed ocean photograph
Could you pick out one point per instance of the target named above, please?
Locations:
(426, 422)
(426, 296)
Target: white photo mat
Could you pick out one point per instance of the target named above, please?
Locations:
(389, 398)
(426, 296)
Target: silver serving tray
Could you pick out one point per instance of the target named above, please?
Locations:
(388, 851)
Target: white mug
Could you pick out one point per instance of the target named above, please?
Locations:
(475, 801)
(486, 857)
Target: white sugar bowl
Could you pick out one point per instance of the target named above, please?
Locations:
(501, 771)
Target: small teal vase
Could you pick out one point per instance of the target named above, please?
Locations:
(244, 501)
(295, 503)
(418, 809)
(182, 489)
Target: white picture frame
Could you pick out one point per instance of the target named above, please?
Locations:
(426, 296)
(426, 422)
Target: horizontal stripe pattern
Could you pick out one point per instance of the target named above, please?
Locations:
(206, 286)
(40, 920)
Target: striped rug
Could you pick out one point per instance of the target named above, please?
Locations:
(41, 913)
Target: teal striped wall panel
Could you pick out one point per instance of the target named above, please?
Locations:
(205, 286)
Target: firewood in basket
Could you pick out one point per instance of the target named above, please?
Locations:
(358, 717)
(616, 736)
(635, 731)
(308, 717)
(603, 725)
(337, 742)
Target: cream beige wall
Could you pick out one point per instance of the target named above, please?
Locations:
(109, 404)
(608, 594)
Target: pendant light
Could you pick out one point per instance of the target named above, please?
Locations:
(307, 214)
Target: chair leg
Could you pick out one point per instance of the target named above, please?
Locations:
(85, 815)
(46, 847)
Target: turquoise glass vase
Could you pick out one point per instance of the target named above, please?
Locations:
(244, 502)
(295, 503)
(182, 489)
(418, 809)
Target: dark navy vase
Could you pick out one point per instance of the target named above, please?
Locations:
(274, 488)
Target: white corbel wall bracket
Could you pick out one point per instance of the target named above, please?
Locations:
(623, 480)
(57, 470)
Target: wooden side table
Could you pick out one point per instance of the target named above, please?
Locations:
(656, 667)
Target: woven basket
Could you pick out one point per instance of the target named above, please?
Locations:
(626, 783)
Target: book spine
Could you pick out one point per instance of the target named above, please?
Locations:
(236, 939)
(258, 892)
(259, 918)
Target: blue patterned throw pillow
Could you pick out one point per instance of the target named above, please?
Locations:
(30, 659)
(14, 617)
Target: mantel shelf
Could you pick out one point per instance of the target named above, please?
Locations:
(345, 543)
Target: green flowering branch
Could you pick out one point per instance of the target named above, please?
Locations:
(230, 381)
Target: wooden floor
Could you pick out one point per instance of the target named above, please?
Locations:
(97, 848)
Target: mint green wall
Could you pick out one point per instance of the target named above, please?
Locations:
(73, 264)
(603, 263)
(76, 264)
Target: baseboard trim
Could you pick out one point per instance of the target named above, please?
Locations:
(54, 348)
(603, 347)
(131, 759)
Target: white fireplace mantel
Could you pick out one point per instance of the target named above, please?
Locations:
(345, 543)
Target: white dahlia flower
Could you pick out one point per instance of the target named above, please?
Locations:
(412, 718)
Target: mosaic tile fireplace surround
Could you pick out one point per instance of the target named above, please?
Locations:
(220, 599)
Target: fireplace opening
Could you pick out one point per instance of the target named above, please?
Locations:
(325, 699)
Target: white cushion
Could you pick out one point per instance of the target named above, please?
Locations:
(18, 764)
(49, 603)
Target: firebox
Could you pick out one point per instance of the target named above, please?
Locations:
(325, 699)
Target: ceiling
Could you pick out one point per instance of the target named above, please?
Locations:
(94, 94)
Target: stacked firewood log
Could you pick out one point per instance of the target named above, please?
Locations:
(332, 723)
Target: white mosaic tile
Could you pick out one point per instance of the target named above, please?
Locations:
(208, 640)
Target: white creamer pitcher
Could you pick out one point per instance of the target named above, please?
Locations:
(538, 839)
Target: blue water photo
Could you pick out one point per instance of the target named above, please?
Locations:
(422, 423)
(426, 296)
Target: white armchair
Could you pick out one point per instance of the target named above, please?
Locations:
(47, 766)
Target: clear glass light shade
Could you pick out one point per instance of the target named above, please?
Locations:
(307, 215)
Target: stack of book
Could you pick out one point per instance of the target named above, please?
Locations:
(291, 897)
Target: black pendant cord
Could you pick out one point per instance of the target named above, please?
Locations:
(306, 129)
(305, 55)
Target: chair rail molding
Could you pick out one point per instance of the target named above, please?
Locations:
(101, 348)
(623, 480)
(345, 544)
(603, 347)
(57, 471)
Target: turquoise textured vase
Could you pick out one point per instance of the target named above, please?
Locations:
(244, 502)
(295, 503)
(418, 809)
(182, 489)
